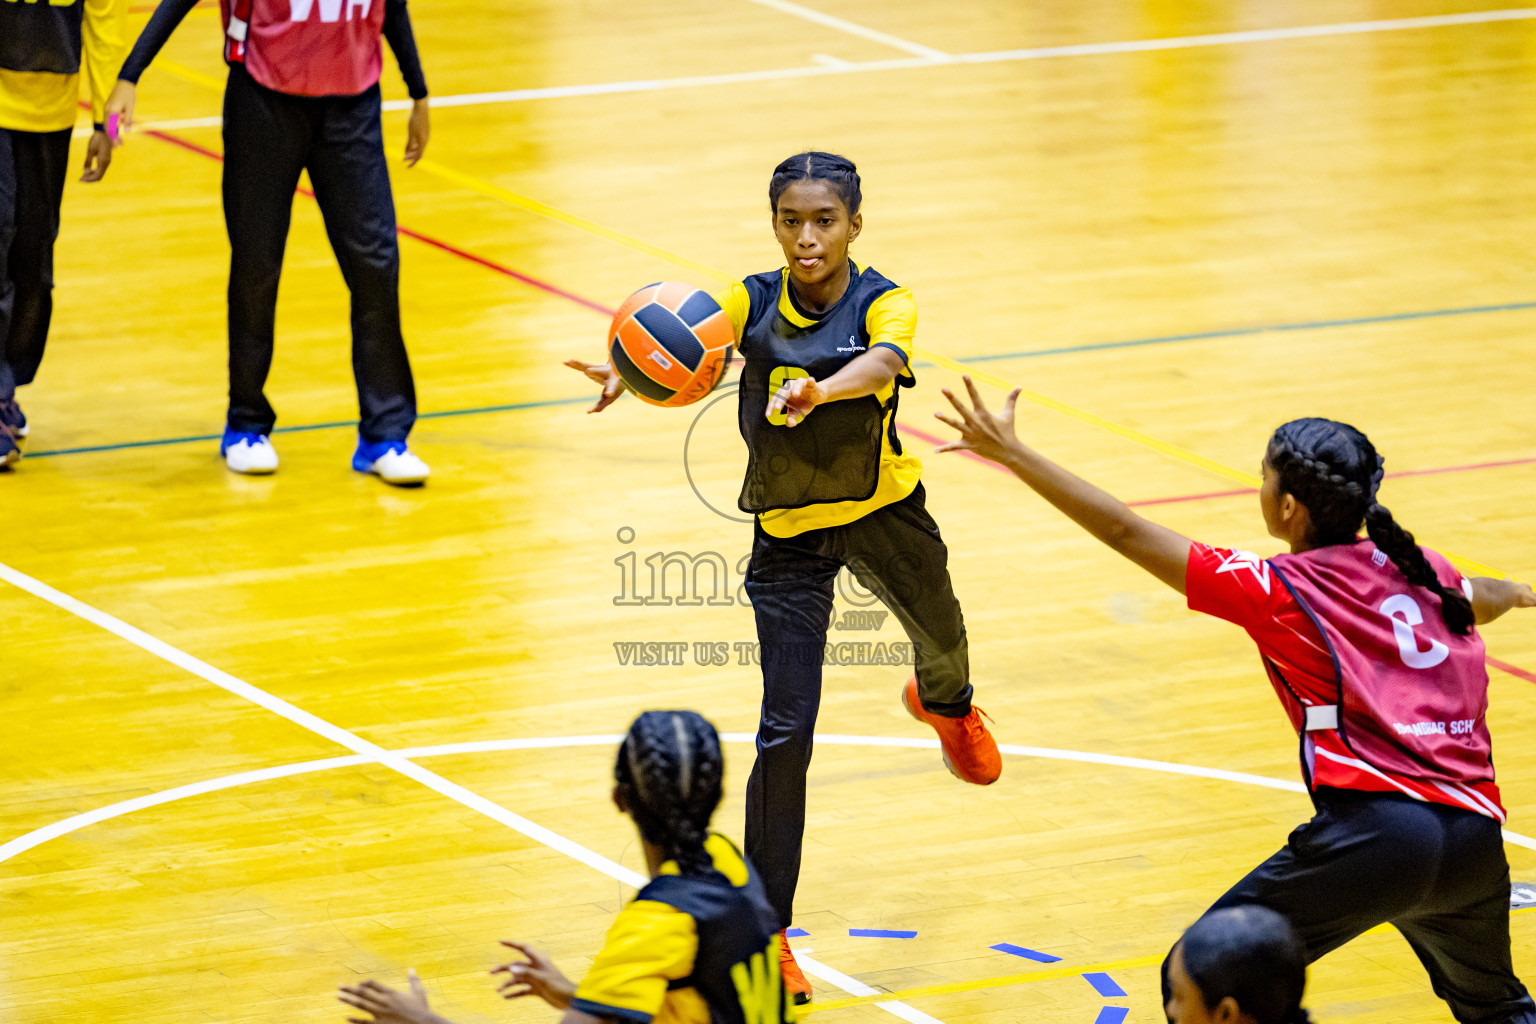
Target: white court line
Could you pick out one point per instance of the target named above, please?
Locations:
(371, 752)
(85, 131)
(61, 828)
(854, 29)
(989, 57)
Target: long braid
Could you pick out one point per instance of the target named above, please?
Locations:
(1334, 470)
(671, 768)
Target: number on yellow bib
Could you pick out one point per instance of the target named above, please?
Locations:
(777, 379)
(760, 987)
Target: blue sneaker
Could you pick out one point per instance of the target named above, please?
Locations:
(248, 453)
(390, 461)
(10, 452)
(13, 421)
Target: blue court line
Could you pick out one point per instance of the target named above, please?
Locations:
(1103, 984)
(1166, 339)
(1028, 954)
(1242, 332)
(797, 933)
(1112, 1014)
(303, 427)
(880, 933)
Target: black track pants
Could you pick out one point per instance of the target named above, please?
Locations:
(895, 552)
(1436, 873)
(269, 138)
(33, 166)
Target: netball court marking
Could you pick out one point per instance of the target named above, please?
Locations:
(860, 992)
(932, 58)
(397, 762)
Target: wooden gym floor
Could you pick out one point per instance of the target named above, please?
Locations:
(268, 736)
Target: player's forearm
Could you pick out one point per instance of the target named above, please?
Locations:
(402, 41)
(864, 375)
(1491, 598)
(1157, 549)
(162, 23)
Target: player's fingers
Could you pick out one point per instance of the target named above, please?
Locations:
(965, 414)
(970, 386)
(953, 446)
(359, 1001)
(946, 420)
(416, 986)
(522, 947)
(1012, 403)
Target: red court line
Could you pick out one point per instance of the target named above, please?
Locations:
(1433, 471)
(411, 233)
(1514, 670)
(921, 435)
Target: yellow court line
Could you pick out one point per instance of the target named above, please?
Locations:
(987, 983)
(1001, 981)
(186, 74)
(1173, 451)
(523, 202)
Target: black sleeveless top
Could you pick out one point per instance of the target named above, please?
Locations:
(40, 37)
(738, 956)
(834, 453)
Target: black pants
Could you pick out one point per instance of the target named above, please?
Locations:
(1437, 873)
(269, 138)
(32, 171)
(896, 553)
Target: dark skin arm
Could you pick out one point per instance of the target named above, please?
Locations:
(1157, 549)
(1492, 598)
(864, 375)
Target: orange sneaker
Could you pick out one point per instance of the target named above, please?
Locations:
(970, 752)
(794, 981)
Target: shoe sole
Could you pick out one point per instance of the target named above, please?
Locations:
(947, 762)
(251, 472)
(10, 458)
(412, 482)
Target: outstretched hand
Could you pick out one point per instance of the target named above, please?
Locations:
(991, 437)
(604, 374)
(388, 1006)
(795, 399)
(536, 975)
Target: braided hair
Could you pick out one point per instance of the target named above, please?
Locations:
(669, 770)
(1333, 470)
(1252, 955)
(837, 171)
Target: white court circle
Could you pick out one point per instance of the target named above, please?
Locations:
(76, 822)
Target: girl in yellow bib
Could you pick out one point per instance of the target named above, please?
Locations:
(695, 946)
(828, 348)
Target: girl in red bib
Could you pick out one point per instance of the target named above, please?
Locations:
(1371, 647)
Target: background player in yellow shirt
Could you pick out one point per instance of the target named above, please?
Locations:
(697, 945)
(828, 347)
(44, 47)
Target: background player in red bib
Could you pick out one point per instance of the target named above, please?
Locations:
(1372, 650)
(303, 94)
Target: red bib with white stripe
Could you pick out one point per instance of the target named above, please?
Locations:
(307, 47)
(1412, 695)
